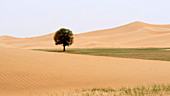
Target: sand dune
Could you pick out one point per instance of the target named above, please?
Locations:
(23, 72)
(136, 34)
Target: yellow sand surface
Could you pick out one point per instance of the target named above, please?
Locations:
(26, 72)
(133, 35)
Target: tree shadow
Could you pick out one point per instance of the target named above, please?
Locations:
(53, 50)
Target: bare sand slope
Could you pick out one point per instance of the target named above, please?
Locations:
(136, 34)
(23, 72)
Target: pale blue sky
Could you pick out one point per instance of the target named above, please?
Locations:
(28, 18)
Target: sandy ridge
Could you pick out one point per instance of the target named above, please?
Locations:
(136, 34)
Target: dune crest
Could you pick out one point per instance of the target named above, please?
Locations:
(134, 35)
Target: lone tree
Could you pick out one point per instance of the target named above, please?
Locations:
(63, 36)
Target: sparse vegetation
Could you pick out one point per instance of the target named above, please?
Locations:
(150, 90)
(137, 53)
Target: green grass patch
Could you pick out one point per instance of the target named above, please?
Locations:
(136, 53)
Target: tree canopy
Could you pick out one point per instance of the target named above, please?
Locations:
(63, 37)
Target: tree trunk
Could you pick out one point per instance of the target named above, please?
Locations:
(64, 49)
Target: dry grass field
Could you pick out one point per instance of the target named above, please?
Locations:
(149, 90)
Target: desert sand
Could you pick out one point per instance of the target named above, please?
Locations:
(23, 72)
(133, 35)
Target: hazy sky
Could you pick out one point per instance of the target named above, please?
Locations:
(27, 18)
